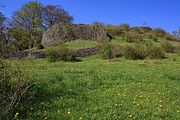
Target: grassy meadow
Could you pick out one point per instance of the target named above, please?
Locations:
(97, 89)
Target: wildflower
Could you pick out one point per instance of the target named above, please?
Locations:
(69, 112)
(130, 116)
(80, 118)
(16, 114)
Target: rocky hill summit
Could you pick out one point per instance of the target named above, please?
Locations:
(68, 32)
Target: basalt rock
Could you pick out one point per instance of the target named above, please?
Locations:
(62, 33)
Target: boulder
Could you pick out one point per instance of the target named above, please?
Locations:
(68, 32)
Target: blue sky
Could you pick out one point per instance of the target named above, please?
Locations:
(156, 13)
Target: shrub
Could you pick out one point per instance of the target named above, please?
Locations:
(132, 37)
(60, 53)
(106, 49)
(170, 37)
(113, 30)
(135, 52)
(5, 50)
(14, 83)
(154, 52)
(167, 46)
(159, 32)
(142, 52)
(125, 27)
(152, 37)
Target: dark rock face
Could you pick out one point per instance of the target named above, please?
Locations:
(86, 52)
(61, 33)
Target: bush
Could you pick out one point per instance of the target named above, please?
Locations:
(135, 52)
(132, 37)
(106, 49)
(167, 47)
(154, 52)
(152, 37)
(14, 83)
(171, 37)
(159, 32)
(142, 52)
(5, 50)
(60, 53)
(113, 30)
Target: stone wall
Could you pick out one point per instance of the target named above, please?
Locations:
(61, 33)
(41, 54)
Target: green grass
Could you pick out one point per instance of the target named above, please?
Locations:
(101, 89)
(80, 44)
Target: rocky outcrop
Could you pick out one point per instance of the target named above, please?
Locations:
(61, 33)
(86, 52)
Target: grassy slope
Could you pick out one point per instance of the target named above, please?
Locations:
(99, 89)
(79, 44)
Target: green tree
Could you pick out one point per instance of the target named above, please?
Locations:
(29, 18)
(53, 14)
(2, 27)
(35, 19)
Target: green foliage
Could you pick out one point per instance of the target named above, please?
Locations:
(140, 51)
(154, 52)
(151, 36)
(5, 50)
(60, 53)
(54, 14)
(135, 52)
(160, 32)
(14, 83)
(22, 38)
(167, 46)
(132, 37)
(106, 49)
(125, 27)
(98, 89)
(33, 19)
(170, 37)
(114, 30)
